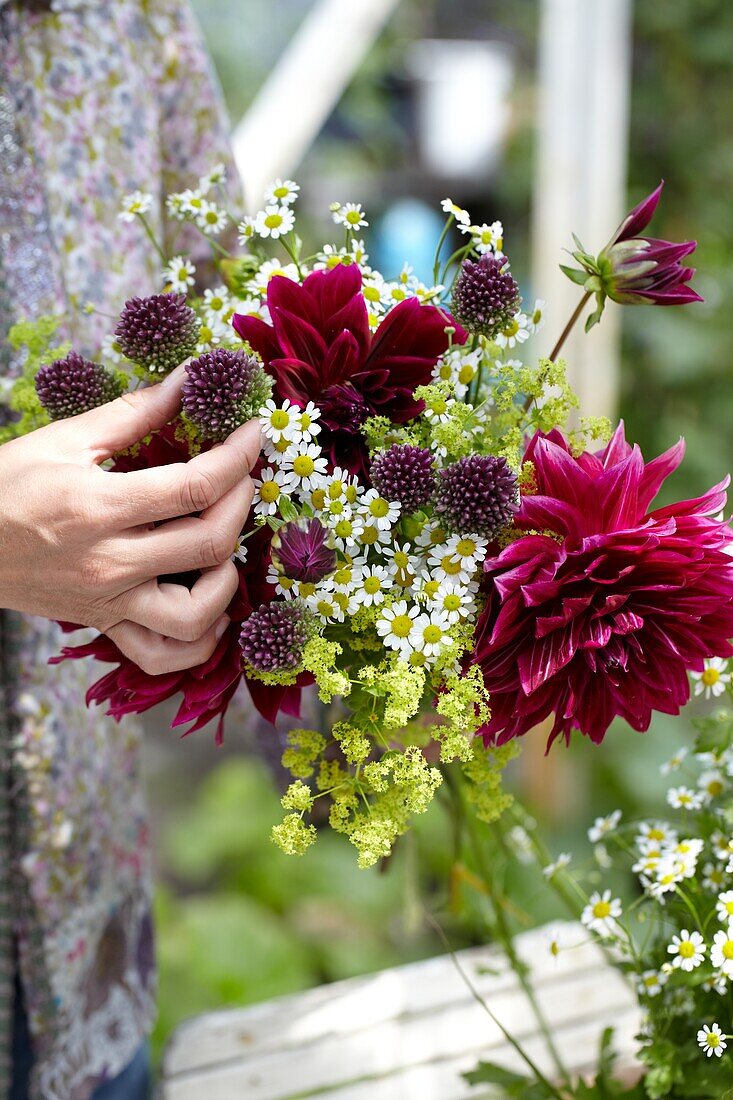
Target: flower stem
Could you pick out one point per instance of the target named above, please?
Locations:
(441, 241)
(153, 239)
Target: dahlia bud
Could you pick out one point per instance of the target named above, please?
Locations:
(302, 550)
(75, 385)
(274, 636)
(478, 495)
(224, 389)
(406, 474)
(635, 270)
(486, 296)
(157, 332)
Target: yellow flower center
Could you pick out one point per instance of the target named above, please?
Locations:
(651, 982)
(438, 405)
(369, 536)
(466, 374)
(712, 1039)
(401, 559)
(466, 548)
(432, 634)
(273, 221)
(325, 608)
(417, 658)
(714, 788)
(336, 507)
(512, 328)
(656, 834)
(371, 294)
(710, 676)
(445, 372)
(431, 589)
(450, 565)
(729, 907)
(335, 489)
(344, 528)
(270, 491)
(279, 419)
(318, 498)
(728, 949)
(306, 589)
(372, 585)
(304, 466)
(602, 909)
(379, 508)
(452, 602)
(305, 421)
(401, 626)
(281, 192)
(343, 575)
(353, 217)
(687, 949)
(341, 600)
(351, 493)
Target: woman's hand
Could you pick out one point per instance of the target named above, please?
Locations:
(80, 544)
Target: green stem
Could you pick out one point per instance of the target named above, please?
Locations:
(531, 1065)
(153, 239)
(441, 242)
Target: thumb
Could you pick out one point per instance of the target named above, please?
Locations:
(110, 428)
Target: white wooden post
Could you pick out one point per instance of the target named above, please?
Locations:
(303, 88)
(580, 176)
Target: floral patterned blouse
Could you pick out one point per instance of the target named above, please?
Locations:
(97, 99)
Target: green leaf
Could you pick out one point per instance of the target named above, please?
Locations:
(512, 1084)
(715, 731)
(576, 276)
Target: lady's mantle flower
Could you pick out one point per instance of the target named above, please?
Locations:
(688, 949)
(591, 619)
(712, 1040)
(713, 679)
(601, 913)
(636, 270)
(157, 332)
(274, 636)
(721, 953)
(477, 494)
(223, 389)
(303, 551)
(75, 385)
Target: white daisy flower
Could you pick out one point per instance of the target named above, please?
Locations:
(437, 409)
(326, 605)
(516, 332)
(650, 982)
(180, 274)
(713, 877)
(562, 861)
(455, 600)
(431, 535)
(721, 953)
(347, 578)
(214, 178)
(654, 833)
(190, 202)
(712, 784)
(601, 913)
(718, 983)
(377, 510)
(682, 798)
(688, 950)
(714, 678)
(395, 625)
(724, 907)
(486, 238)
(350, 214)
(536, 319)
(308, 421)
(341, 485)
(174, 206)
(648, 862)
(135, 204)
(269, 269)
(281, 192)
(722, 845)
(217, 301)
(303, 466)
(246, 229)
(712, 1040)
(462, 216)
(668, 873)
(211, 219)
(372, 536)
(471, 549)
(430, 633)
(447, 566)
(280, 421)
(347, 529)
(274, 221)
(375, 290)
(401, 563)
(268, 491)
(674, 762)
(602, 826)
(240, 551)
(375, 583)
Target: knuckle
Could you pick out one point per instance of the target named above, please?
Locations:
(153, 662)
(194, 624)
(215, 547)
(199, 491)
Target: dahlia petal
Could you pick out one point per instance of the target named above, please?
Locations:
(638, 219)
(297, 338)
(259, 335)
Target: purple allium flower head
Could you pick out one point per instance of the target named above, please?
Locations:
(636, 270)
(406, 474)
(224, 389)
(74, 385)
(303, 550)
(477, 495)
(274, 636)
(157, 332)
(486, 296)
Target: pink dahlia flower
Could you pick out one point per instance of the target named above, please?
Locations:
(603, 607)
(320, 348)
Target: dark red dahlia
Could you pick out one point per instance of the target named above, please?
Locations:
(75, 385)
(605, 612)
(320, 348)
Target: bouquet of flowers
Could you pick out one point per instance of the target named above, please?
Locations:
(429, 544)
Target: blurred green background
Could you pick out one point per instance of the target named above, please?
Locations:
(238, 922)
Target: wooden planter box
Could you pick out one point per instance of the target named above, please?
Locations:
(406, 1033)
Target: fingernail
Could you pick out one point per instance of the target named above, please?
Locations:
(175, 377)
(221, 626)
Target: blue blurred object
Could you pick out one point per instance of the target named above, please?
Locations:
(409, 228)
